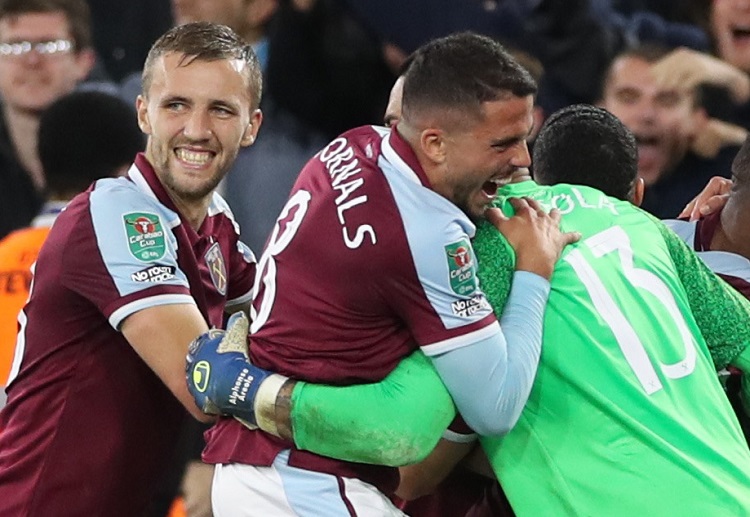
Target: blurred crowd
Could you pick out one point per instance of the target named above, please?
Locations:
(675, 72)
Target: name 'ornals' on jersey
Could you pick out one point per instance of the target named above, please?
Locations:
(371, 263)
(346, 179)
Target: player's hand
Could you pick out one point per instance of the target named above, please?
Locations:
(534, 235)
(685, 69)
(220, 376)
(712, 198)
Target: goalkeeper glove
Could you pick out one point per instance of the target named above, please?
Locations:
(220, 376)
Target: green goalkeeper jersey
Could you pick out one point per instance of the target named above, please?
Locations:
(626, 416)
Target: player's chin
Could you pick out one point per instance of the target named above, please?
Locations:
(476, 210)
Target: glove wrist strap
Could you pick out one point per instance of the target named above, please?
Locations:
(266, 403)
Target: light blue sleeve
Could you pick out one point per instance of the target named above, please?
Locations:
(490, 380)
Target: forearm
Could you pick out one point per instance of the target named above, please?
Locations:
(424, 477)
(394, 422)
(490, 380)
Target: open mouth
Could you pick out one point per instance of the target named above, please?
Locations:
(489, 188)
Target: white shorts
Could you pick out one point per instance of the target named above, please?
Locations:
(280, 491)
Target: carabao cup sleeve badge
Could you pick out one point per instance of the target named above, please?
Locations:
(145, 234)
(461, 267)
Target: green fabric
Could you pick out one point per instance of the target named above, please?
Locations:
(721, 312)
(597, 438)
(395, 422)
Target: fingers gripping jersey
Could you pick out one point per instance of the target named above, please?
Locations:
(365, 264)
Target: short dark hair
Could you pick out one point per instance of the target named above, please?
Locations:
(586, 145)
(85, 136)
(462, 71)
(76, 11)
(205, 41)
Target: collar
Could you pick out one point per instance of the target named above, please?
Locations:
(397, 151)
(143, 175)
(705, 229)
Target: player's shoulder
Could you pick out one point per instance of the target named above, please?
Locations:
(120, 197)
(685, 230)
(361, 143)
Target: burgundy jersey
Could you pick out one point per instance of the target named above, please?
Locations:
(365, 263)
(89, 427)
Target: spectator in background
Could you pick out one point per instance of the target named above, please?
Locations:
(325, 68)
(83, 136)
(124, 31)
(574, 39)
(669, 125)
(45, 51)
(247, 18)
(726, 70)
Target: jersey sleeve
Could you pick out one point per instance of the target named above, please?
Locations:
(722, 314)
(395, 422)
(126, 255)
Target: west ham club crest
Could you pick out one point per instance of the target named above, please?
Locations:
(217, 268)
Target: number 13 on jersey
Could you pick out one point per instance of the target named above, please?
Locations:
(615, 240)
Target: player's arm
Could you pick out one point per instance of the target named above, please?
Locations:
(394, 422)
(160, 335)
(721, 312)
(490, 379)
(424, 477)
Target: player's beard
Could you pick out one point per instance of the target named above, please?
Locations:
(186, 184)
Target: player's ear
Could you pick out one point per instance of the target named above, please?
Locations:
(433, 144)
(251, 131)
(141, 108)
(638, 190)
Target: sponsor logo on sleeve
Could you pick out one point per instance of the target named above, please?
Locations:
(157, 273)
(145, 236)
(466, 308)
(217, 268)
(461, 267)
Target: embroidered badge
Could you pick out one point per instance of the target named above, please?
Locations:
(217, 268)
(461, 267)
(145, 236)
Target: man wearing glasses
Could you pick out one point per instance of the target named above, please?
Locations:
(45, 51)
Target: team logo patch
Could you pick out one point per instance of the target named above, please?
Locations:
(157, 273)
(217, 268)
(145, 236)
(461, 268)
